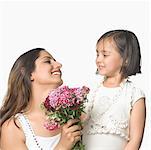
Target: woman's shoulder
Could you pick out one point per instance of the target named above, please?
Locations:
(11, 129)
(12, 136)
(9, 124)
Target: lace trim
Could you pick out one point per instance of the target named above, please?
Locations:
(111, 126)
(24, 120)
(105, 130)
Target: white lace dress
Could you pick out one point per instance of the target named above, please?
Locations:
(109, 110)
(34, 142)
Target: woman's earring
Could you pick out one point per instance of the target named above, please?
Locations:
(126, 62)
(31, 78)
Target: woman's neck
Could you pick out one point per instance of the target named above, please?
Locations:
(38, 96)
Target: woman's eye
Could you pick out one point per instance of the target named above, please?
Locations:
(48, 61)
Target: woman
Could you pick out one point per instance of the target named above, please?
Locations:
(33, 75)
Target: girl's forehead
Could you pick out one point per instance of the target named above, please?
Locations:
(106, 44)
(106, 41)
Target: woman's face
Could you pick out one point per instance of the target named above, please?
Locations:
(47, 71)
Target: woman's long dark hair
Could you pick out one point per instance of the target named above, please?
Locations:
(19, 85)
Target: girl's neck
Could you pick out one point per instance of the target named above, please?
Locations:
(112, 81)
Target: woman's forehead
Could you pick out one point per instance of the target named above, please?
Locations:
(45, 54)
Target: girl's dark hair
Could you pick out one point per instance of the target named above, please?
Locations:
(129, 49)
(19, 85)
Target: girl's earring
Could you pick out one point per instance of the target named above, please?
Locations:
(97, 72)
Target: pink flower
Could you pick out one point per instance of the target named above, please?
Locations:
(51, 125)
(63, 104)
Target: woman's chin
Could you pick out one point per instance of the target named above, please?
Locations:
(59, 83)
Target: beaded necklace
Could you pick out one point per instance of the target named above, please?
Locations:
(32, 132)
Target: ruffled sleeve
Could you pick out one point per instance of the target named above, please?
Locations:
(137, 95)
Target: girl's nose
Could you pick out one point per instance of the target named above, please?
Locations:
(99, 58)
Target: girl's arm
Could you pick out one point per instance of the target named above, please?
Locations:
(137, 124)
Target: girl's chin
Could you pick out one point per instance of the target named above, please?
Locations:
(102, 73)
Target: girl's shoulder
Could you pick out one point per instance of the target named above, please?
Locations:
(134, 92)
(130, 85)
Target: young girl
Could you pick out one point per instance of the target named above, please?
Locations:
(32, 77)
(117, 106)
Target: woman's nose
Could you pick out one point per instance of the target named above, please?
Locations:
(58, 64)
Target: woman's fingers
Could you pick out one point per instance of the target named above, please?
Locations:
(71, 127)
(77, 138)
(74, 128)
(71, 133)
(71, 122)
(77, 133)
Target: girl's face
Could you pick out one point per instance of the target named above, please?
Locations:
(47, 70)
(108, 60)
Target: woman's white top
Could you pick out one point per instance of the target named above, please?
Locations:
(34, 142)
(109, 110)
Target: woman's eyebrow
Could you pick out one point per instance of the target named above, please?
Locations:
(48, 57)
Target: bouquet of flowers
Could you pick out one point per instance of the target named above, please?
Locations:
(62, 104)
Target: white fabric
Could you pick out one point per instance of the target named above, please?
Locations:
(46, 143)
(109, 110)
(104, 142)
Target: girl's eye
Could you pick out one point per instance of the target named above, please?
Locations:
(105, 55)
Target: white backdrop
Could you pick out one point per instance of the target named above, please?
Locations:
(69, 31)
